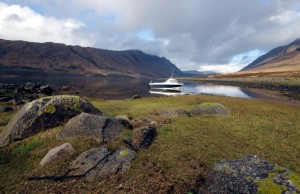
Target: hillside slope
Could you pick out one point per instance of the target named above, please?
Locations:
(59, 58)
(283, 58)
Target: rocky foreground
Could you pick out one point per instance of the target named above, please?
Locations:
(120, 141)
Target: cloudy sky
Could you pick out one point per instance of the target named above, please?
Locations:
(222, 35)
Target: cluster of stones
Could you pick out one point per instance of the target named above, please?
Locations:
(18, 94)
(80, 119)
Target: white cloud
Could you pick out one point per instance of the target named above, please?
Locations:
(22, 23)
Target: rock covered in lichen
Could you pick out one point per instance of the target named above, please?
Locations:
(102, 162)
(209, 109)
(98, 127)
(42, 114)
(250, 175)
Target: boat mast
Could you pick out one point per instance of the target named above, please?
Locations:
(172, 72)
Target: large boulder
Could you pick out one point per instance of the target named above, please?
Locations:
(100, 128)
(209, 109)
(250, 175)
(42, 114)
(101, 162)
(57, 153)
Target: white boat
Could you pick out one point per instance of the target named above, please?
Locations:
(170, 84)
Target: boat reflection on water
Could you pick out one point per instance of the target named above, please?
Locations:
(166, 92)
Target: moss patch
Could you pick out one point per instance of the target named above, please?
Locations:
(127, 133)
(25, 148)
(295, 179)
(124, 153)
(207, 104)
(76, 104)
(50, 109)
(267, 186)
(279, 168)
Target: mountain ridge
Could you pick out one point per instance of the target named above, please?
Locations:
(282, 58)
(61, 58)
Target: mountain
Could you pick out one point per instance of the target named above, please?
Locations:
(199, 73)
(54, 58)
(283, 58)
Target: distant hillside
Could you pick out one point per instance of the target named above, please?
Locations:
(21, 57)
(283, 58)
(199, 73)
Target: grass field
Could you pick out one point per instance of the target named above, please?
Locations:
(185, 148)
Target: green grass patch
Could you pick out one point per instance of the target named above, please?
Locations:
(267, 186)
(4, 119)
(184, 146)
(295, 179)
(21, 148)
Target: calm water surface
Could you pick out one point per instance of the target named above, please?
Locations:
(120, 88)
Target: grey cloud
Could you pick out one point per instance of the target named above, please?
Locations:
(13, 18)
(195, 31)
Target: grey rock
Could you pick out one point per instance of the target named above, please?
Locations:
(16, 101)
(5, 98)
(6, 109)
(142, 137)
(10, 86)
(29, 86)
(16, 91)
(245, 176)
(100, 128)
(46, 89)
(101, 162)
(60, 152)
(66, 88)
(42, 114)
(209, 109)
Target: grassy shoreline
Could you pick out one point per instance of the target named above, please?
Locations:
(288, 84)
(184, 149)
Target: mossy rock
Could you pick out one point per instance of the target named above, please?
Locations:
(42, 114)
(208, 108)
(98, 127)
(250, 175)
(102, 162)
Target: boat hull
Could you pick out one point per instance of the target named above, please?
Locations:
(165, 86)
